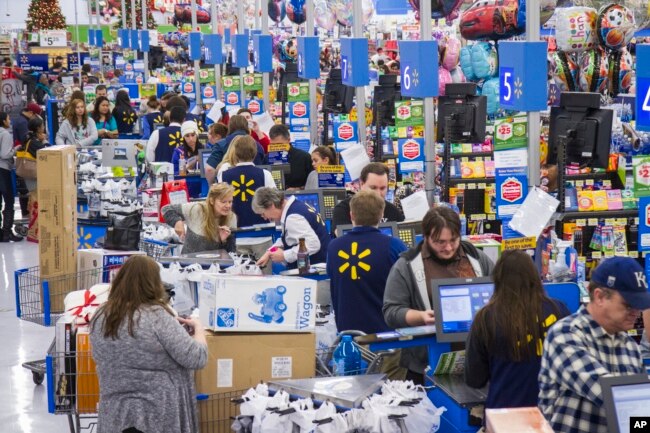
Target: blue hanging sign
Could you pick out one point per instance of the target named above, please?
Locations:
(99, 38)
(240, 51)
(73, 60)
(308, 57)
(133, 89)
(644, 223)
(124, 34)
(187, 89)
(195, 45)
(233, 98)
(226, 36)
(419, 68)
(392, 7)
(144, 41)
(33, 62)
(643, 87)
(354, 62)
(411, 155)
(522, 67)
(91, 37)
(133, 39)
(263, 53)
(213, 48)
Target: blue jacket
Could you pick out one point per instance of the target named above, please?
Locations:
(219, 150)
(358, 264)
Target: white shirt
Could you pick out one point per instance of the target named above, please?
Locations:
(268, 177)
(153, 143)
(294, 227)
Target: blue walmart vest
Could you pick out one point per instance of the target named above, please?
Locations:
(169, 139)
(245, 179)
(317, 225)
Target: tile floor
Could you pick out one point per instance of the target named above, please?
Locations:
(24, 405)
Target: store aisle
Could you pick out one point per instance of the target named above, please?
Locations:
(24, 405)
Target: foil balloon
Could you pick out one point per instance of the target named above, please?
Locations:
(466, 63)
(451, 53)
(594, 70)
(324, 16)
(493, 20)
(289, 50)
(457, 75)
(343, 10)
(621, 74)
(439, 8)
(485, 60)
(546, 10)
(368, 8)
(615, 26)
(296, 11)
(564, 71)
(576, 29)
(490, 89)
(277, 10)
(183, 14)
(444, 78)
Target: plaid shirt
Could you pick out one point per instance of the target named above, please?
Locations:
(577, 352)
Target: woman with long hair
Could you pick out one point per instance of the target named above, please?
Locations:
(104, 120)
(145, 356)
(35, 141)
(152, 117)
(504, 346)
(322, 155)
(124, 113)
(229, 159)
(209, 223)
(77, 129)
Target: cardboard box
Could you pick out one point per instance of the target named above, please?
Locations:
(239, 361)
(32, 225)
(87, 381)
(100, 266)
(229, 303)
(516, 420)
(151, 204)
(57, 220)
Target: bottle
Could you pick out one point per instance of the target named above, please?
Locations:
(182, 166)
(346, 359)
(303, 257)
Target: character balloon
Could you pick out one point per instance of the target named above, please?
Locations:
(296, 11)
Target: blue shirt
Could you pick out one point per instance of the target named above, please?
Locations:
(245, 179)
(111, 125)
(358, 264)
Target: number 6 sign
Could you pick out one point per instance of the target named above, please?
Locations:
(419, 68)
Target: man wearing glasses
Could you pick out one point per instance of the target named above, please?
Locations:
(442, 254)
(592, 343)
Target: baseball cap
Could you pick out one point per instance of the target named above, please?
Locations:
(34, 108)
(627, 277)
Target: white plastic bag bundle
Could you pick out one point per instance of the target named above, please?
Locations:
(272, 421)
(325, 335)
(422, 414)
(243, 266)
(327, 420)
(304, 415)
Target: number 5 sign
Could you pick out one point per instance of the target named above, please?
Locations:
(419, 68)
(522, 67)
(643, 87)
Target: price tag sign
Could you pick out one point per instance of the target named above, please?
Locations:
(644, 224)
(641, 170)
(419, 68)
(263, 53)
(354, 62)
(213, 46)
(643, 87)
(308, 57)
(53, 38)
(522, 66)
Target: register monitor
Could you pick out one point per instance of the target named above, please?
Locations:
(204, 154)
(312, 198)
(278, 172)
(455, 303)
(625, 397)
(332, 197)
(389, 229)
(410, 232)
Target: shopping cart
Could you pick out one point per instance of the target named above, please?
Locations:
(156, 249)
(371, 362)
(72, 383)
(217, 411)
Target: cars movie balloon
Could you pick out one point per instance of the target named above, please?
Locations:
(296, 11)
(594, 69)
(563, 70)
(493, 20)
(576, 29)
(615, 26)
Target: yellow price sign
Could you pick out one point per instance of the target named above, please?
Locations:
(520, 243)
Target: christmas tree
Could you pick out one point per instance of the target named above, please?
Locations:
(151, 24)
(44, 15)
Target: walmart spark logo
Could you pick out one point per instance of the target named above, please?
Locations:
(175, 139)
(243, 187)
(158, 119)
(83, 239)
(353, 254)
(318, 217)
(200, 125)
(129, 118)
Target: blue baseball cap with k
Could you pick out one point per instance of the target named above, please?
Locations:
(626, 276)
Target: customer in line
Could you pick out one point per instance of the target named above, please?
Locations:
(124, 113)
(145, 358)
(259, 135)
(374, 176)
(20, 128)
(7, 152)
(216, 131)
(298, 220)
(42, 92)
(104, 120)
(35, 141)
(441, 254)
(100, 90)
(78, 129)
(590, 344)
(504, 347)
(322, 155)
(299, 160)
(210, 224)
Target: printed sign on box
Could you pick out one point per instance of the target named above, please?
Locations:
(411, 155)
(331, 176)
(298, 92)
(345, 134)
(409, 113)
(641, 169)
(511, 133)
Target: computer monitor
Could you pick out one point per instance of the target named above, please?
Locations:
(385, 93)
(332, 197)
(586, 127)
(338, 97)
(204, 154)
(389, 229)
(455, 303)
(465, 112)
(625, 397)
(277, 171)
(409, 232)
(203, 138)
(120, 153)
(311, 197)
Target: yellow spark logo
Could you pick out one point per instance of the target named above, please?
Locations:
(353, 254)
(200, 125)
(243, 187)
(158, 119)
(83, 238)
(129, 118)
(318, 217)
(175, 139)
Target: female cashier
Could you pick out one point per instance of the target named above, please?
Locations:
(298, 221)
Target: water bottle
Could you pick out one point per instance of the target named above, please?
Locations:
(347, 358)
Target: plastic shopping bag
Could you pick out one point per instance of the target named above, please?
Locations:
(327, 420)
(173, 192)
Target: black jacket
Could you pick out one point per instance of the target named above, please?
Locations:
(300, 164)
(341, 214)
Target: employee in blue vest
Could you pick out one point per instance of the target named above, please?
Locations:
(358, 264)
(299, 220)
(163, 142)
(245, 178)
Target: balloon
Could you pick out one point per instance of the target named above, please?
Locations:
(344, 11)
(493, 20)
(439, 8)
(546, 10)
(289, 50)
(183, 14)
(564, 71)
(594, 69)
(277, 10)
(485, 60)
(466, 63)
(621, 74)
(296, 11)
(323, 15)
(491, 90)
(444, 78)
(615, 26)
(451, 53)
(457, 75)
(368, 8)
(576, 29)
